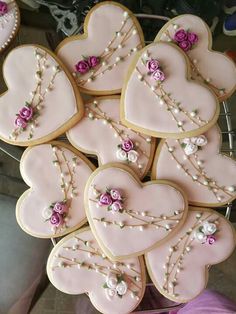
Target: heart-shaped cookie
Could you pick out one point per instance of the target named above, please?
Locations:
(101, 132)
(198, 167)
(159, 100)
(9, 22)
(193, 36)
(77, 265)
(179, 267)
(42, 100)
(99, 58)
(128, 217)
(56, 174)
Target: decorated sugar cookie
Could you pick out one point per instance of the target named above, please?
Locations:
(158, 98)
(56, 174)
(42, 100)
(9, 22)
(179, 267)
(99, 58)
(193, 36)
(128, 217)
(101, 132)
(77, 265)
(198, 167)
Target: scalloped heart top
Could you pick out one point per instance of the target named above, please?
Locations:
(193, 35)
(41, 102)
(56, 174)
(128, 217)
(77, 265)
(101, 132)
(99, 58)
(9, 22)
(158, 99)
(179, 267)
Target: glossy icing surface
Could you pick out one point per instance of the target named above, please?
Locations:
(38, 80)
(163, 109)
(150, 212)
(68, 274)
(207, 177)
(205, 64)
(108, 77)
(100, 132)
(191, 257)
(54, 174)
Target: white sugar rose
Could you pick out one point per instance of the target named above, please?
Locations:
(209, 228)
(111, 281)
(132, 156)
(199, 140)
(200, 236)
(186, 140)
(190, 149)
(121, 154)
(122, 288)
(47, 213)
(111, 292)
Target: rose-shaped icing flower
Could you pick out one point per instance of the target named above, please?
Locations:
(192, 38)
(200, 140)
(111, 281)
(60, 208)
(200, 236)
(26, 113)
(105, 199)
(3, 8)
(93, 61)
(152, 65)
(20, 122)
(122, 288)
(111, 292)
(158, 75)
(185, 45)
(127, 145)
(116, 206)
(186, 140)
(82, 67)
(190, 149)
(121, 154)
(47, 213)
(211, 239)
(180, 35)
(132, 156)
(115, 194)
(56, 219)
(209, 228)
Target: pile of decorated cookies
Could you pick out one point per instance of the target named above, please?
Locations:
(171, 90)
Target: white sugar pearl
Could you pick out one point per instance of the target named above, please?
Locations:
(199, 162)
(107, 49)
(161, 102)
(153, 88)
(180, 123)
(231, 189)
(192, 113)
(140, 77)
(141, 228)
(208, 80)
(104, 63)
(134, 32)
(175, 26)
(118, 34)
(170, 149)
(148, 139)
(118, 59)
(176, 110)
(125, 14)
(135, 49)
(194, 61)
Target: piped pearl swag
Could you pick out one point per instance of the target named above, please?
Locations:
(120, 278)
(115, 47)
(176, 110)
(37, 97)
(134, 219)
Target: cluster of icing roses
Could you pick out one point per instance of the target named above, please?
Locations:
(185, 39)
(112, 198)
(192, 145)
(83, 66)
(115, 285)
(24, 116)
(126, 151)
(3, 8)
(56, 213)
(154, 70)
(205, 233)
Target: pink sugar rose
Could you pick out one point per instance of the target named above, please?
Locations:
(158, 75)
(105, 199)
(60, 208)
(116, 206)
(3, 8)
(152, 65)
(93, 61)
(211, 239)
(56, 219)
(180, 35)
(26, 113)
(82, 67)
(115, 194)
(20, 122)
(185, 45)
(192, 38)
(127, 145)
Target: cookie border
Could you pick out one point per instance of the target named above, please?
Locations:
(69, 123)
(85, 35)
(136, 178)
(25, 194)
(209, 46)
